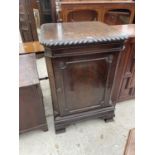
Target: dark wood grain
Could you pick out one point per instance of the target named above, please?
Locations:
(53, 10)
(31, 108)
(27, 24)
(81, 59)
(78, 33)
(124, 88)
(48, 10)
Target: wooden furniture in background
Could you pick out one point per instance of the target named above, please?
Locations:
(109, 12)
(125, 78)
(97, 0)
(48, 8)
(30, 47)
(27, 24)
(130, 145)
(46, 12)
(81, 60)
(31, 108)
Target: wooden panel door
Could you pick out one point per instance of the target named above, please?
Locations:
(128, 82)
(117, 16)
(84, 83)
(82, 15)
(125, 79)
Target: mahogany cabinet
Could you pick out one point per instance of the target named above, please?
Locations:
(124, 88)
(31, 108)
(81, 60)
(109, 12)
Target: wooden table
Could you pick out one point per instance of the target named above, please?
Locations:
(31, 108)
(31, 47)
(81, 60)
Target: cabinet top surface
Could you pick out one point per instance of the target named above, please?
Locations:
(27, 70)
(74, 33)
(129, 29)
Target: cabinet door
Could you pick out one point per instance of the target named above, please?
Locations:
(117, 17)
(128, 82)
(82, 15)
(84, 83)
(124, 88)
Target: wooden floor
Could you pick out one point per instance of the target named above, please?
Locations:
(130, 145)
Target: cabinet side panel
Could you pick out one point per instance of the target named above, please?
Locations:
(52, 77)
(124, 87)
(31, 109)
